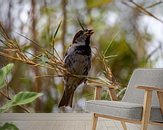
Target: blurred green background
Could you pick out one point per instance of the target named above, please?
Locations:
(136, 42)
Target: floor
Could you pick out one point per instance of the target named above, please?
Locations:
(57, 121)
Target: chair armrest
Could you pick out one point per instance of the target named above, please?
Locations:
(148, 88)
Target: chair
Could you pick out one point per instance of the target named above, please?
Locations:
(141, 104)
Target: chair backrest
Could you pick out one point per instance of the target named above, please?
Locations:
(147, 77)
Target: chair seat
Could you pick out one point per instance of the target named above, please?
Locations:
(121, 109)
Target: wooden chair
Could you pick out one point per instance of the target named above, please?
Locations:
(141, 104)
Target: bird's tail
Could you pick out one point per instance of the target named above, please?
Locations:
(67, 99)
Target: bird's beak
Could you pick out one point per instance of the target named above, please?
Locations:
(89, 32)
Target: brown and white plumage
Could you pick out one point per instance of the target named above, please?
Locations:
(77, 61)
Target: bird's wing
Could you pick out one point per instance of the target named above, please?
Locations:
(77, 64)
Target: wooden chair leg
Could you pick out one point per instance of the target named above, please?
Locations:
(146, 109)
(160, 98)
(124, 125)
(94, 122)
(97, 94)
(113, 95)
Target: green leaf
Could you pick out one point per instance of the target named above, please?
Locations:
(5, 107)
(55, 33)
(8, 126)
(110, 43)
(4, 72)
(24, 98)
(81, 25)
(21, 98)
(53, 39)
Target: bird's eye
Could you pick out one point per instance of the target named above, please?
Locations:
(86, 30)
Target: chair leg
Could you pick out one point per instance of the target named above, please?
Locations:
(94, 122)
(124, 125)
(146, 110)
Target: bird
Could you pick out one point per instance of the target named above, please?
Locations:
(77, 61)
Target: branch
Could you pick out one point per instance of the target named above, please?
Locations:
(64, 27)
(155, 4)
(141, 9)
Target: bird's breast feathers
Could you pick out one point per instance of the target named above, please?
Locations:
(78, 59)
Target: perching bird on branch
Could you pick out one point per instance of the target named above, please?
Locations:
(78, 62)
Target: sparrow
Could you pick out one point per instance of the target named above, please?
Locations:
(78, 62)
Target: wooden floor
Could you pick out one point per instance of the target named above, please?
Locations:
(57, 121)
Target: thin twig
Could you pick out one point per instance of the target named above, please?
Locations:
(153, 52)
(109, 74)
(155, 4)
(35, 43)
(141, 9)
(11, 57)
(91, 80)
(110, 43)
(53, 38)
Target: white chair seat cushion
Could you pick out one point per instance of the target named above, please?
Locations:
(121, 109)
